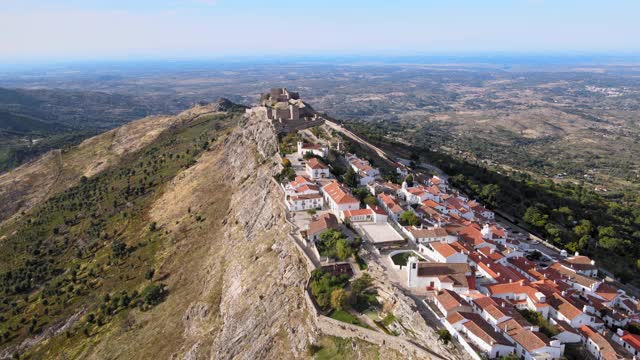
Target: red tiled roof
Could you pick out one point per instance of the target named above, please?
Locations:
(472, 234)
(358, 212)
(530, 340)
(390, 202)
(632, 339)
(607, 291)
(314, 163)
(564, 307)
(450, 299)
(300, 180)
(324, 222)
(339, 194)
(306, 197)
(608, 349)
(444, 249)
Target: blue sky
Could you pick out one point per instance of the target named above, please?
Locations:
(101, 29)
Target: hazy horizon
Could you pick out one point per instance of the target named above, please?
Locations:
(36, 31)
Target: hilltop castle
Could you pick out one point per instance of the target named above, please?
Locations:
(286, 111)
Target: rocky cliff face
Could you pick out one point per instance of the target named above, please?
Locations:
(235, 280)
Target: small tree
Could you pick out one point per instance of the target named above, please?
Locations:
(343, 250)
(444, 336)
(286, 162)
(409, 218)
(339, 299)
(351, 178)
(371, 200)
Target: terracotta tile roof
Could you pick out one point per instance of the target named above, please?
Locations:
(300, 180)
(565, 326)
(434, 190)
(607, 291)
(313, 146)
(564, 307)
(478, 208)
(427, 233)
(304, 188)
(391, 203)
(361, 165)
(324, 222)
(481, 329)
(306, 197)
(498, 232)
(455, 202)
(490, 253)
(358, 212)
(516, 288)
(455, 272)
(489, 305)
(444, 249)
(632, 339)
(454, 318)
(472, 234)
(608, 349)
(530, 340)
(339, 194)
(579, 263)
(499, 272)
(430, 203)
(450, 299)
(569, 275)
(316, 164)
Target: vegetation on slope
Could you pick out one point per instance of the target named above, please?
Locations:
(90, 251)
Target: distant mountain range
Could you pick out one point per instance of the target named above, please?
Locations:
(35, 121)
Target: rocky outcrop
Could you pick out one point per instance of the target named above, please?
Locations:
(235, 279)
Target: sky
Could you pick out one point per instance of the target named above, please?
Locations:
(42, 30)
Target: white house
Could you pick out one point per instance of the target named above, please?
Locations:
(316, 169)
(323, 223)
(629, 341)
(315, 149)
(414, 195)
(304, 202)
(438, 276)
(563, 310)
(481, 334)
(338, 198)
(442, 252)
(449, 302)
(524, 296)
(580, 264)
(436, 234)
(532, 345)
(363, 169)
(601, 347)
(390, 205)
(567, 334)
(373, 215)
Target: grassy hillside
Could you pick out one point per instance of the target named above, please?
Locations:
(88, 255)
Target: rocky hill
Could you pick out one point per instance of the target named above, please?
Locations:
(165, 238)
